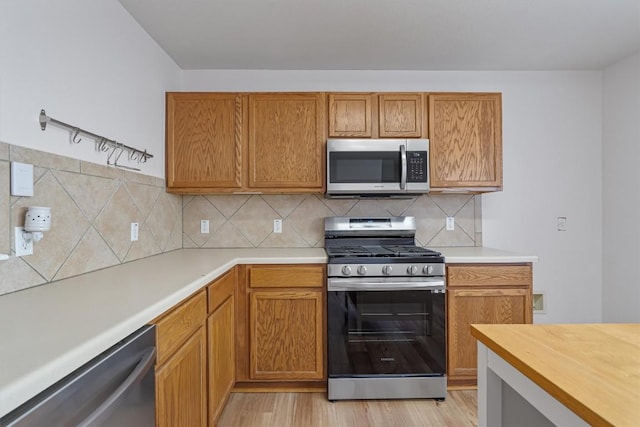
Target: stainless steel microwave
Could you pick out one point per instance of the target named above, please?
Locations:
(377, 167)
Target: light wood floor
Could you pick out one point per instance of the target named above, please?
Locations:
(313, 409)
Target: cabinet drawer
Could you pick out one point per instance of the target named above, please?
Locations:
(289, 276)
(489, 275)
(220, 289)
(176, 326)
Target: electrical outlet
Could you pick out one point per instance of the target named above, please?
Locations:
(23, 247)
(204, 226)
(134, 231)
(451, 223)
(277, 226)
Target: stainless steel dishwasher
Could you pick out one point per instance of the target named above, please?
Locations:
(116, 388)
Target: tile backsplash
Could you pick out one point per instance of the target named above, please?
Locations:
(247, 220)
(92, 208)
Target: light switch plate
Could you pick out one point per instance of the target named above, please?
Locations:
(204, 226)
(277, 226)
(21, 179)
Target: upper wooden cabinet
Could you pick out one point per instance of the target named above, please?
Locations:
(350, 115)
(258, 142)
(465, 141)
(370, 115)
(205, 137)
(286, 142)
(275, 142)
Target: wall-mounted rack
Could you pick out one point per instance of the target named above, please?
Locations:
(103, 144)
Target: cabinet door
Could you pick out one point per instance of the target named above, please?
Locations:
(204, 141)
(287, 135)
(286, 335)
(400, 115)
(181, 385)
(222, 356)
(467, 306)
(465, 133)
(350, 115)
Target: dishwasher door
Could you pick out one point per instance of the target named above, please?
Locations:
(116, 388)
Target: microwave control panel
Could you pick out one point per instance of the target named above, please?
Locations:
(417, 166)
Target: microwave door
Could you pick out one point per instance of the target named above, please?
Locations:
(366, 167)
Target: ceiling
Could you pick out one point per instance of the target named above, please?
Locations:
(392, 34)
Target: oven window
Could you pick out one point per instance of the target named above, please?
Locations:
(364, 167)
(386, 333)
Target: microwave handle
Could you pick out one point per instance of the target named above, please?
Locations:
(403, 170)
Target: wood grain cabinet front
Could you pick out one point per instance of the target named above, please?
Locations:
(205, 137)
(181, 369)
(221, 342)
(281, 326)
(465, 141)
(245, 142)
(377, 115)
(286, 142)
(481, 294)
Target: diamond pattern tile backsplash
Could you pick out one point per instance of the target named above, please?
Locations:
(247, 220)
(92, 208)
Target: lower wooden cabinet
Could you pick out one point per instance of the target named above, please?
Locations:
(181, 370)
(221, 342)
(281, 326)
(482, 294)
(286, 335)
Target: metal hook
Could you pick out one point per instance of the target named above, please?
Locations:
(75, 138)
(115, 147)
(115, 163)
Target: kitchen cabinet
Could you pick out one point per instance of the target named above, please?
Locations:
(234, 143)
(465, 137)
(221, 342)
(181, 367)
(281, 326)
(205, 139)
(373, 115)
(286, 140)
(481, 294)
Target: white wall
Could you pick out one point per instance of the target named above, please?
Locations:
(87, 63)
(552, 165)
(621, 192)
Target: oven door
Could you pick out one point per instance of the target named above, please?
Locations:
(382, 328)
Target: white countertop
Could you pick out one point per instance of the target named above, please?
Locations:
(475, 255)
(48, 331)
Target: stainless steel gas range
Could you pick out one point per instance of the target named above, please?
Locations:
(386, 311)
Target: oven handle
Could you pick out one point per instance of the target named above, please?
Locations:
(427, 284)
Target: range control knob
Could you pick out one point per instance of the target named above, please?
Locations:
(346, 270)
(427, 269)
(386, 270)
(362, 270)
(412, 270)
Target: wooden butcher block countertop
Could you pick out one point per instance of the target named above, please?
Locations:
(593, 369)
